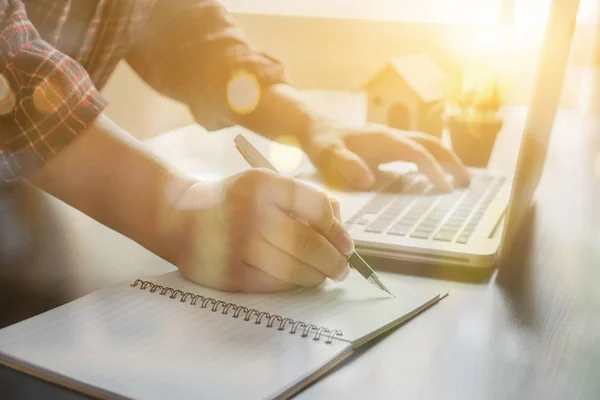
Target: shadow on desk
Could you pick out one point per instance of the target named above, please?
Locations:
(35, 258)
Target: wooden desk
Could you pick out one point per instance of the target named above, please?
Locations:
(531, 332)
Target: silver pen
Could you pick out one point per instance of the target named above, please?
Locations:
(256, 160)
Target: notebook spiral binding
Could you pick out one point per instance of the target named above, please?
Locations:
(247, 313)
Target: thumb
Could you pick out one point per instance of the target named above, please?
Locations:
(354, 170)
(335, 205)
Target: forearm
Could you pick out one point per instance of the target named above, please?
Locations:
(109, 176)
(282, 110)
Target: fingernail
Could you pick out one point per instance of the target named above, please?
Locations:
(336, 209)
(346, 244)
(467, 180)
(343, 275)
(366, 181)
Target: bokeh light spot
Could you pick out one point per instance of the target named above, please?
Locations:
(47, 97)
(285, 154)
(243, 92)
(7, 97)
(4, 87)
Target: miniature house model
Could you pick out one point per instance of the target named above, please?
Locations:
(405, 94)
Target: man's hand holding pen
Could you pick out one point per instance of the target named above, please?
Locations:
(244, 234)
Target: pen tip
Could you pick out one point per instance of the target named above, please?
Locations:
(382, 286)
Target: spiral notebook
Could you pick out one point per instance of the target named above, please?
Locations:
(164, 337)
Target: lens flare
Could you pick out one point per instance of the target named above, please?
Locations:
(48, 97)
(243, 92)
(285, 154)
(7, 97)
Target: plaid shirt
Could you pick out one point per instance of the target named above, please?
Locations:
(56, 54)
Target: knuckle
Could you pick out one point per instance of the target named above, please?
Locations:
(249, 187)
(323, 155)
(255, 176)
(323, 197)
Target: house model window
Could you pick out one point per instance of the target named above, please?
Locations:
(412, 87)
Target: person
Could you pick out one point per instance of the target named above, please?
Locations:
(255, 231)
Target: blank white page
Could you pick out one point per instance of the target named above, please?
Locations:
(354, 306)
(136, 344)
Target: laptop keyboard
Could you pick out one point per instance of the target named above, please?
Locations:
(424, 214)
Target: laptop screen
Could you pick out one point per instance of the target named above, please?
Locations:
(552, 65)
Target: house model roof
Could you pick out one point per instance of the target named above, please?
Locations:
(423, 75)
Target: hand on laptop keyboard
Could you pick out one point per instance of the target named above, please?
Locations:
(348, 156)
(421, 213)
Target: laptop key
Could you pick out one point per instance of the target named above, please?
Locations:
(399, 230)
(444, 236)
(434, 218)
(379, 226)
(424, 230)
(466, 232)
(471, 225)
(375, 229)
(409, 219)
(436, 215)
(399, 204)
(453, 223)
(452, 229)
(420, 234)
(462, 239)
(377, 204)
(429, 224)
(362, 221)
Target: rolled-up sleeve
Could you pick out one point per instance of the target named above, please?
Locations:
(46, 98)
(190, 50)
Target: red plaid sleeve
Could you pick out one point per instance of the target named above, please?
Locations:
(190, 51)
(46, 98)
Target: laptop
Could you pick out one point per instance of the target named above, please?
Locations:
(471, 227)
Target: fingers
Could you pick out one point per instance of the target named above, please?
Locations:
(341, 167)
(354, 170)
(446, 157)
(306, 245)
(426, 163)
(384, 146)
(231, 277)
(337, 211)
(281, 265)
(312, 206)
(252, 279)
